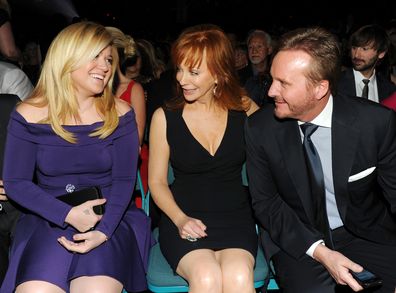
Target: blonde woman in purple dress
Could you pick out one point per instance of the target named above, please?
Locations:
(72, 134)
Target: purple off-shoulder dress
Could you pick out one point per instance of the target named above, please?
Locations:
(34, 153)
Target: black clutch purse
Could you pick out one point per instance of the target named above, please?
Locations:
(80, 196)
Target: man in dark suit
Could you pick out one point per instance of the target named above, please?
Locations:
(317, 229)
(8, 213)
(368, 48)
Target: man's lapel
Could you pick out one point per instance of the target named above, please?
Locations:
(290, 144)
(344, 147)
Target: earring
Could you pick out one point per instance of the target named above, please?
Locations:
(214, 89)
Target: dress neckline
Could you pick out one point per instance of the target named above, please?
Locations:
(21, 118)
(43, 134)
(199, 143)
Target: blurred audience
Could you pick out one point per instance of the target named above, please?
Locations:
(32, 61)
(148, 65)
(8, 49)
(242, 62)
(14, 81)
(368, 46)
(259, 81)
(126, 88)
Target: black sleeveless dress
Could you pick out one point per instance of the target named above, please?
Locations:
(208, 188)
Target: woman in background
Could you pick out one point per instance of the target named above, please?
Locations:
(126, 88)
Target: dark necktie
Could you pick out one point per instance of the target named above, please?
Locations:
(365, 88)
(316, 177)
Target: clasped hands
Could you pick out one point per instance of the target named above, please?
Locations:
(84, 219)
(338, 266)
(191, 229)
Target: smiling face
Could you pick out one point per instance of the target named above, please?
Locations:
(294, 95)
(196, 83)
(91, 79)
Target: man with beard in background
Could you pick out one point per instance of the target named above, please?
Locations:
(368, 47)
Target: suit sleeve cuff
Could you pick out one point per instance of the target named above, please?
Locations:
(312, 248)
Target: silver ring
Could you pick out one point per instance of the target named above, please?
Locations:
(191, 239)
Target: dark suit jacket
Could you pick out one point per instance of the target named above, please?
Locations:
(346, 85)
(7, 104)
(363, 136)
(8, 219)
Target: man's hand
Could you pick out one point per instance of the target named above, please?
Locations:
(338, 266)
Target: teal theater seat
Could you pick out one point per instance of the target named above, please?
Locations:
(160, 276)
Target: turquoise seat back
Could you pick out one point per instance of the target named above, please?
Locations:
(160, 276)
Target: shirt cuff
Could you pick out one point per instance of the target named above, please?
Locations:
(311, 250)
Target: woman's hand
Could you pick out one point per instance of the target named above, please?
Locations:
(191, 229)
(84, 242)
(3, 195)
(82, 217)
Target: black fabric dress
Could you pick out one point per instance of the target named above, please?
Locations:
(208, 188)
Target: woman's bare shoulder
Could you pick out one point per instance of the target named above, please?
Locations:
(158, 119)
(158, 114)
(122, 106)
(32, 113)
(252, 106)
(137, 86)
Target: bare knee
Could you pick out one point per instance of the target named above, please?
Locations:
(38, 287)
(95, 284)
(205, 279)
(238, 278)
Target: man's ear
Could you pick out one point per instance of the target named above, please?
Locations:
(381, 55)
(321, 89)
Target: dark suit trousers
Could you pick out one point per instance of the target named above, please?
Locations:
(8, 219)
(309, 276)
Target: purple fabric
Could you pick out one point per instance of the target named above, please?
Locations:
(34, 151)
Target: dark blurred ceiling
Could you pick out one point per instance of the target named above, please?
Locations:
(156, 19)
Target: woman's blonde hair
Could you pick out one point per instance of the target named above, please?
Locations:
(126, 49)
(73, 47)
(122, 41)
